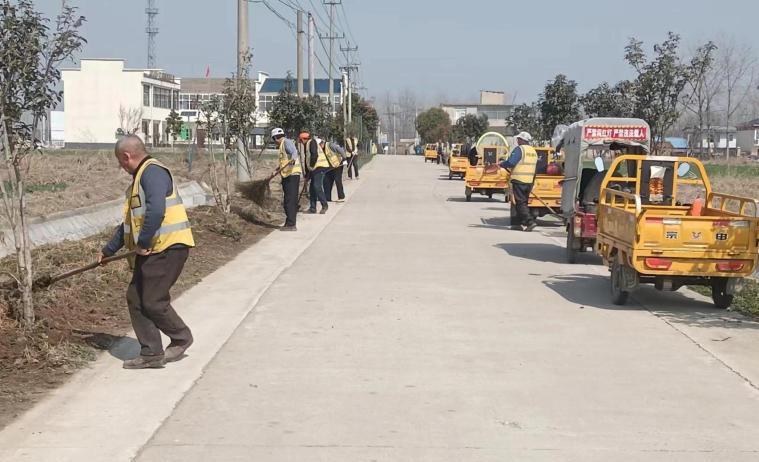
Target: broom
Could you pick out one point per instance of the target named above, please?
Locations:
(258, 191)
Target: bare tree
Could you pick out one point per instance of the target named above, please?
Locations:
(212, 118)
(31, 52)
(701, 90)
(130, 120)
(739, 67)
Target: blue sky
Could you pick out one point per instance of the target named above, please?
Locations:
(438, 49)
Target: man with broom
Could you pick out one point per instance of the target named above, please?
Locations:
(336, 158)
(157, 229)
(289, 170)
(317, 165)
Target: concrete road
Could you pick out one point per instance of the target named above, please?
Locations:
(417, 327)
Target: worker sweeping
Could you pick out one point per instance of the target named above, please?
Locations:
(334, 176)
(290, 170)
(157, 229)
(522, 163)
(351, 152)
(317, 166)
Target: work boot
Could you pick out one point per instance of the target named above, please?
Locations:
(324, 209)
(175, 351)
(288, 228)
(145, 362)
(531, 226)
(311, 211)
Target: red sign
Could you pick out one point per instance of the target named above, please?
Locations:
(616, 133)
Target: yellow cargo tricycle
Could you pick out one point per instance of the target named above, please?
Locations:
(430, 153)
(457, 162)
(487, 178)
(659, 222)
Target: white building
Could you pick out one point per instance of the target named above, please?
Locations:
(492, 104)
(102, 97)
(716, 141)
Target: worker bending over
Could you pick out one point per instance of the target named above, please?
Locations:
(317, 166)
(334, 176)
(156, 228)
(522, 163)
(290, 170)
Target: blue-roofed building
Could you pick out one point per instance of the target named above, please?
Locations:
(269, 88)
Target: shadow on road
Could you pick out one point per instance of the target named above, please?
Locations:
(548, 253)
(474, 199)
(494, 223)
(119, 346)
(593, 291)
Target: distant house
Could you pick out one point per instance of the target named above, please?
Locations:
(674, 146)
(748, 138)
(716, 140)
(492, 104)
(270, 87)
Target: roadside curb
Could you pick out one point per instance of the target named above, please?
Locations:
(107, 413)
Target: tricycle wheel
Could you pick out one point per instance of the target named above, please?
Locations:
(571, 251)
(721, 298)
(490, 195)
(618, 295)
(450, 176)
(468, 193)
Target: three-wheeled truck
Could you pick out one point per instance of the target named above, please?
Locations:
(546, 190)
(582, 145)
(430, 153)
(487, 178)
(457, 162)
(659, 222)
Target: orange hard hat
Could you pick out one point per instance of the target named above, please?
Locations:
(304, 136)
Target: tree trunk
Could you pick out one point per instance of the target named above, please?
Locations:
(24, 251)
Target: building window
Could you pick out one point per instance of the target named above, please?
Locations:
(162, 97)
(266, 102)
(146, 95)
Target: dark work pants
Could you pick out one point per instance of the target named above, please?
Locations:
(316, 188)
(149, 300)
(334, 177)
(291, 191)
(521, 193)
(353, 166)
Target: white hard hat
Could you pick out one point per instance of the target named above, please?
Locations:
(277, 132)
(524, 136)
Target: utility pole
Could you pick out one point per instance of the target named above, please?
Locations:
(299, 62)
(349, 67)
(242, 66)
(311, 57)
(331, 37)
(242, 35)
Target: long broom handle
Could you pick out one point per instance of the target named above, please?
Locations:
(91, 266)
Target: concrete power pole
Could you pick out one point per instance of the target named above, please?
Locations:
(243, 173)
(311, 57)
(332, 38)
(242, 34)
(152, 30)
(349, 68)
(299, 61)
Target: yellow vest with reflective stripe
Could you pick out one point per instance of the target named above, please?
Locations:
(333, 158)
(321, 160)
(524, 172)
(284, 158)
(175, 228)
(350, 146)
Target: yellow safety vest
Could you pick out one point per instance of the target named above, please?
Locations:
(321, 160)
(175, 228)
(524, 172)
(333, 158)
(284, 159)
(350, 147)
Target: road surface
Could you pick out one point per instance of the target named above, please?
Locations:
(417, 327)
